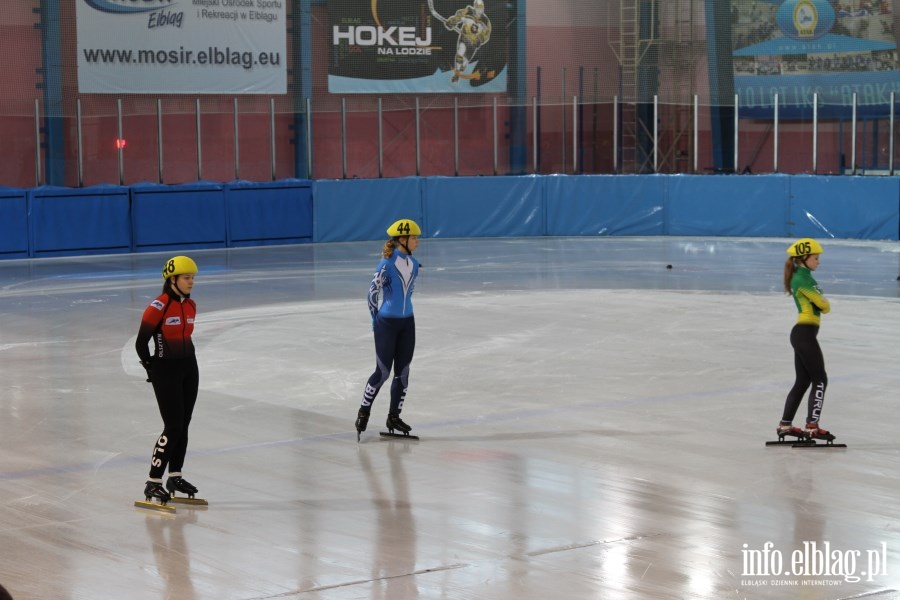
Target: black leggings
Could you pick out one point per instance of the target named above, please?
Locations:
(175, 382)
(395, 342)
(810, 370)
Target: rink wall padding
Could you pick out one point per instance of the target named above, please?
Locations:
(90, 220)
(280, 212)
(13, 223)
(605, 205)
(50, 221)
(362, 209)
(178, 216)
(702, 205)
(844, 207)
(459, 207)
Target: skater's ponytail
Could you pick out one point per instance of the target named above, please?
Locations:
(389, 247)
(789, 269)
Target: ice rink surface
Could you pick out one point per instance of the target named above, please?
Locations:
(592, 427)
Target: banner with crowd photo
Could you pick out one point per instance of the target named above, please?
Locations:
(183, 46)
(417, 46)
(799, 48)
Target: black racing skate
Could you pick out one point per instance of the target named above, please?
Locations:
(155, 491)
(181, 485)
(395, 422)
(362, 420)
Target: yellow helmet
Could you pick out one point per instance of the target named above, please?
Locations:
(404, 227)
(804, 247)
(179, 265)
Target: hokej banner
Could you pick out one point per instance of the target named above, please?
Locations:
(417, 46)
(806, 50)
(181, 46)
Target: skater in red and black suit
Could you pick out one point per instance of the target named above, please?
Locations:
(172, 369)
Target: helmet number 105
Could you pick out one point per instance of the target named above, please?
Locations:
(803, 248)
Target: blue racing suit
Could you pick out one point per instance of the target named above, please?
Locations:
(390, 304)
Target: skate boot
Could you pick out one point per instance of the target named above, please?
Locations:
(180, 484)
(785, 430)
(788, 429)
(177, 483)
(814, 432)
(395, 422)
(362, 420)
(155, 490)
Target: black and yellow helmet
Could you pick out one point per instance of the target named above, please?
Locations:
(804, 247)
(179, 265)
(404, 227)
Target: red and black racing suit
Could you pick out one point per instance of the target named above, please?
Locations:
(169, 320)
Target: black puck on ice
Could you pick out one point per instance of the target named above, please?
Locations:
(670, 266)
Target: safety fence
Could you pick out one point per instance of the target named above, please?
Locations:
(185, 140)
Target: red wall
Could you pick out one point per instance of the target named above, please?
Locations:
(18, 38)
(558, 39)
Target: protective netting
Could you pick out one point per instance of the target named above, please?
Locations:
(120, 91)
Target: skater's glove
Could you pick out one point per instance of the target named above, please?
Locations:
(147, 367)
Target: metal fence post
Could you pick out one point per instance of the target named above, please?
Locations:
(37, 143)
(120, 142)
(159, 141)
(380, 141)
(199, 143)
(79, 143)
(237, 143)
(736, 112)
(815, 154)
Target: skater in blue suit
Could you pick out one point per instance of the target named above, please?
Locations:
(390, 304)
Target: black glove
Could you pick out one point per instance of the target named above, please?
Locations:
(148, 367)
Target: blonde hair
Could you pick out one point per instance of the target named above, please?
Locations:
(389, 246)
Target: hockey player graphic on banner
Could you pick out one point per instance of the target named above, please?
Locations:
(474, 29)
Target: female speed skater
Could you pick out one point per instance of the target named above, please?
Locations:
(172, 369)
(390, 304)
(809, 364)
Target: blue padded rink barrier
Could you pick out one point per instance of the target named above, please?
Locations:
(592, 426)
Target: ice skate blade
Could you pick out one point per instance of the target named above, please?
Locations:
(190, 501)
(164, 508)
(784, 441)
(402, 436)
(821, 444)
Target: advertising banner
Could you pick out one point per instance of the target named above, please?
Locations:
(417, 46)
(181, 46)
(798, 48)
